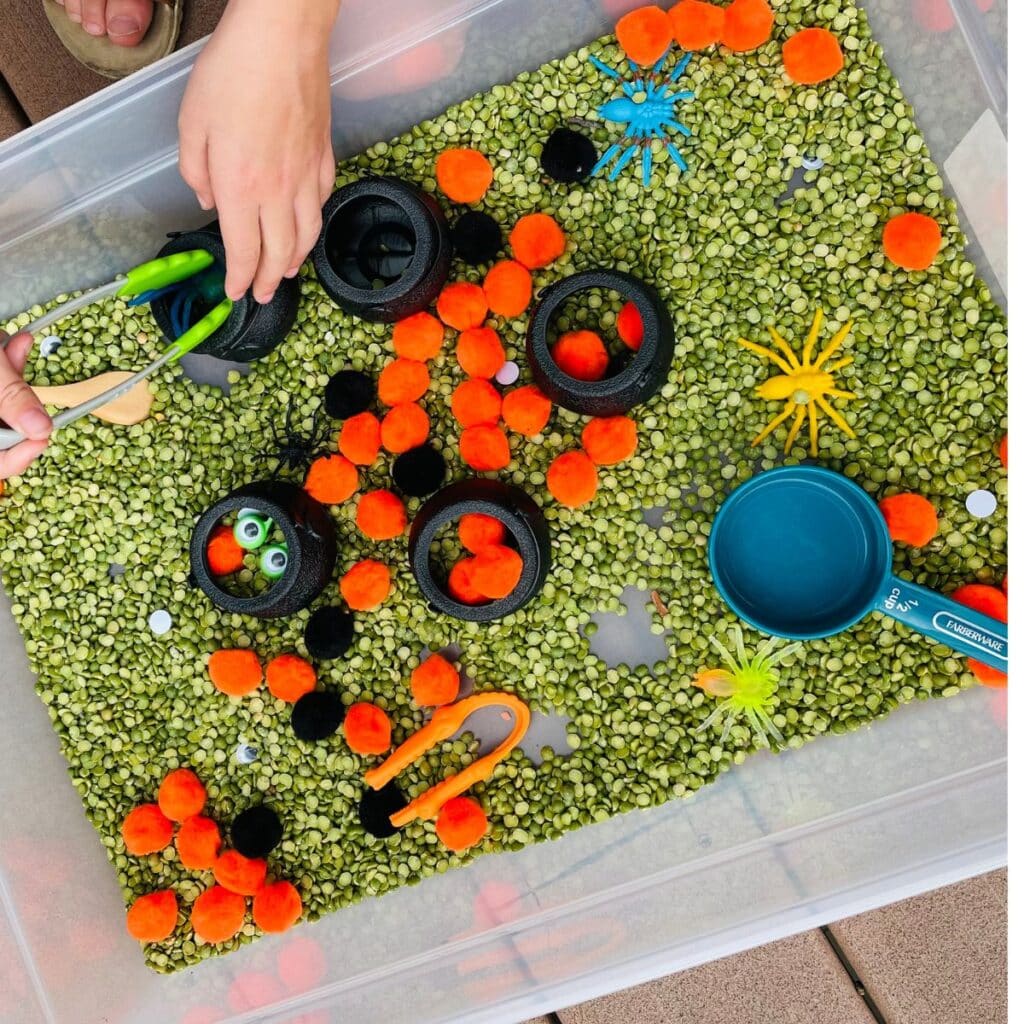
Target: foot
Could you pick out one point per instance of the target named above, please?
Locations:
(123, 22)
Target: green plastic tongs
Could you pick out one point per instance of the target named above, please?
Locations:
(143, 283)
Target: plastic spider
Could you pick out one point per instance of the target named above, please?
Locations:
(746, 688)
(648, 111)
(803, 385)
(294, 450)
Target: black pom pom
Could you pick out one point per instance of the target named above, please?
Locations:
(329, 633)
(419, 471)
(568, 156)
(376, 808)
(255, 832)
(476, 237)
(349, 393)
(317, 715)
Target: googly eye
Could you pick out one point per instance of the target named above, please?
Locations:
(251, 529)
(274, 562)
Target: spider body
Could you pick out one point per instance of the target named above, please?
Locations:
(293, 450)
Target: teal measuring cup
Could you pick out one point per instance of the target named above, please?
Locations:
(802, 552)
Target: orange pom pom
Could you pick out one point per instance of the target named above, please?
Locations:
(630, 326)
(480, 352)
(812, 56)
(244, 875)
(405, 426)
(644, 35)
(463, 175)
(748, 24)
(181, 794)
(911, 518)
(696, 24)
(276, 907)
(381, 515)
(235, 672)
(224, 555)
(461, 823)
(366, 585)
(609, 439)
(435, 682)
(509, 289)
(1004, 452)
(572, 479)
(460, 587)
(496, 571)
(989, 601)
(198, 842)
(462, 305)
(419, 336)
(526, 410)
(478, 531)
(332, 480)
(290, 677)
(359, 440)
(217, 914)
(485, 448)
(152, 918)
(912, 240)
(145, 830)
(581, 354)
(537, 240)
(476, 402)
(403, 380)
(367, 729)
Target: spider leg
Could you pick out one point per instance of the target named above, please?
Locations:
(648, 163)
(604, 69)
(767, 353)
(839, 393)
(726, 654)
(812, 337)
(836, 417)
(845, 361)
(798, 422)
(783, 346)
(778, 421)
(681, 128)
(608, 157)
(833, 346)
(681, 65)
(812, 415)
(677, 156)
(627, 155)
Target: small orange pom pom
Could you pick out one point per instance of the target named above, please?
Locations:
(478, 531)
(366, 585)
(181, 794)
(496, 571)
(812, 56)
(146, 829)
(696, 24)
(276, 907)
(235, 672)
(405, 426)
(367, 729)
(403, 380)
(912, 240)
(509, 289)
(1004, 452)
(224, 555)
(989, 601)
(748, 24)
(244, 875)
(609, 439)
(359, 440)
(332, 480)
(152, 918)
(480, 352)
(461, 824)
(581, 354)
(572, 479)
(537, 240)
(198, 842)
(526, 410)
(911, 518)
(476, 402)
(217, 914)
(290, 677)
(630, 326)
(463, 175)
(462, 305)
(460, 587)
(419, 336)
(644, 35)
(485, 448)
(381, 515)
(435, 682)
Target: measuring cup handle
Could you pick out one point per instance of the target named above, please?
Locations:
(955, 625)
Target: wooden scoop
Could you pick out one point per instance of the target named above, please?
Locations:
(131, 407)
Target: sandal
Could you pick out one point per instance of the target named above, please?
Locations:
(99, 54)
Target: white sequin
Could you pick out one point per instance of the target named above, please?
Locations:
(160, 622)
(508, 374)
(981, 503)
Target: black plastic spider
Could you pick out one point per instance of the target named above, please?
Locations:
(294, 450)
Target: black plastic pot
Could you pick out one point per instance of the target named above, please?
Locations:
(634, 380)
(309, 536)
(251, 331)
(384, 251)
(524, 522)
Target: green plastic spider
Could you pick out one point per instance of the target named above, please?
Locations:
(747, 687)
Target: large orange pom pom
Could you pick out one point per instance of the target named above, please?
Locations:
(509, 288)
(990, 601)
(476, 402)
(526, 410)
(235, 672)
(812, 56)
(367, 729)
(181, 794)
(419, 336)
(366, 585)
(461, 824)
(485, 448)
(290, 677)
(381, 515)
(911, 518)
(609, 439)
(359, 440)
(224, 555)
(462, 305)
(152, 918)
(572, 479)
(644, 35)
(697, 24)
(217, 914)
(912, 240)
(276, 907)
(332, 480)
(537, 240)
(146, 830)
(434, 682)
(463, 175)
(198, 842)
(748, 24)
(244, 875)
(403, 380)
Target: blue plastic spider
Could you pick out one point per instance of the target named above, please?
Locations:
(648, 111)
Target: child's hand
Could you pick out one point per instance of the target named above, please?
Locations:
(19, 408)
(255, 136)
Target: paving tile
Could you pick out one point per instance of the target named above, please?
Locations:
(939, 958)
(12, 120)
(794, 981)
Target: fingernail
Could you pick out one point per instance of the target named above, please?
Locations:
(35, 424)
(291, 272)
(93, 28)
(76, 18)
(205, 204)
(264, 298)
(123, 25)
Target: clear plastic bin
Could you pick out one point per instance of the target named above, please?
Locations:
(780, 845)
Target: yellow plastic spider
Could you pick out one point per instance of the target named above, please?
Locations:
(803, 385)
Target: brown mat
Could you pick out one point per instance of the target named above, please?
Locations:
(44, 77)
(12, 117)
